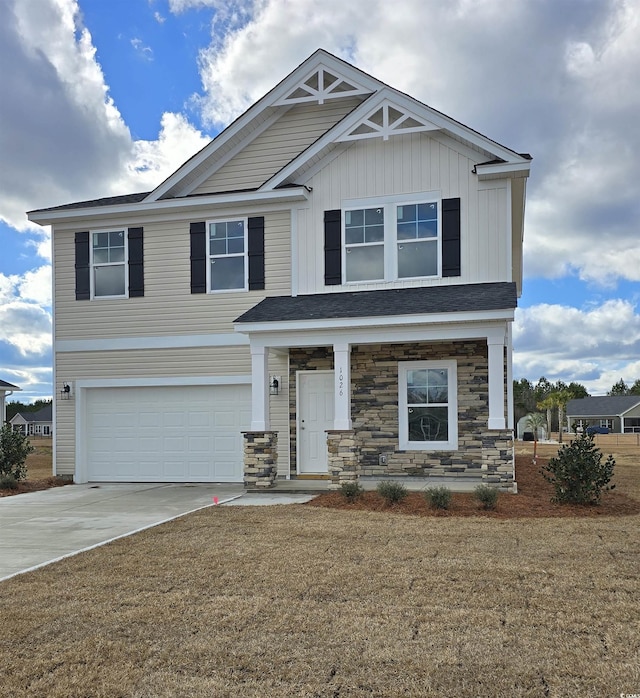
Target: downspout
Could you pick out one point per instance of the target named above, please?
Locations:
(4, 405)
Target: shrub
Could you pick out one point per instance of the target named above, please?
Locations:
(8, 482)
(578, 474)
(392, 492)
(351, 491)
(487, 496)
(14, 449)
(438, 497)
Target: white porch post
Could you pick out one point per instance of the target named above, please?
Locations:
(342, 372)
(495, 345)
(510, 415)
(259, 393)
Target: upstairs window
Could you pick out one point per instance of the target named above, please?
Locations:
(227, 259)
(109, 264)
(391, 241)
(364, 244)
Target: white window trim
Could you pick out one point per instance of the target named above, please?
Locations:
(245, 255)
(93, 266)
(452, 443)
(389, 204)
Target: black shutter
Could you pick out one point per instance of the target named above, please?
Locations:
(451, 237)
(136, 263)
(333, 248)
(83, 287)
(198, 257)
(255, 251)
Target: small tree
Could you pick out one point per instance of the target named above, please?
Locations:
(534, 421)
(577, 473)
(14, 449)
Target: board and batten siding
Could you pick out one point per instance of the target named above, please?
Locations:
(408, 164)
(271, 150)
(168, 306)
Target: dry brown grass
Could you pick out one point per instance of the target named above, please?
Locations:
(302, 601)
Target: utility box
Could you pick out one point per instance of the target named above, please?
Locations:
(383, 459)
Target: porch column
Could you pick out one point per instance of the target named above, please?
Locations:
(495, 345)
(259, 393)
(342, 373)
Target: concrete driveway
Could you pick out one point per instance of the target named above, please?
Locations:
(42, 527)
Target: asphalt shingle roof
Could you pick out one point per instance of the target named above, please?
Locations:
(602, 406)
(8, 386)
(392, 302)
(43, 415)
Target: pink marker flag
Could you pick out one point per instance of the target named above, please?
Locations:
(215, 500)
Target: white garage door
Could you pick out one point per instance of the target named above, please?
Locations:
(167, 434)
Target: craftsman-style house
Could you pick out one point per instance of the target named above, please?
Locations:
(326, 289)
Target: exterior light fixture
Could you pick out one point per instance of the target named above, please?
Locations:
(65, 391)
(274, 385)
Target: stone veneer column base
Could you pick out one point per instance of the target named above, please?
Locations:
(343, 458)
(498, 459)
(260, 458)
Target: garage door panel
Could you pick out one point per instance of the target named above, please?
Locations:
(167, 434)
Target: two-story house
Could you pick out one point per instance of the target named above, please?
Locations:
(326, 289)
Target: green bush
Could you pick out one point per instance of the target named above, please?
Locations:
(351, 491)
(578, 474)
(487, 496)
(392, 492)
(14, 449)
(438, 497)
(8, 482)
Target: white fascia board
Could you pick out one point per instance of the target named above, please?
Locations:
(520, 168)
(229, 339)
(494, 332)
(396, 321)
(291, 194)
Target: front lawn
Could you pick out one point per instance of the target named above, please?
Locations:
(304, 601)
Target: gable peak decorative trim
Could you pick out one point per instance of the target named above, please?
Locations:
(387, 119)
(320, 85)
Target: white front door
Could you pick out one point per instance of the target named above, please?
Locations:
(315, 416)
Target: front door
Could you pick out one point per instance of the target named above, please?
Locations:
(315, 417)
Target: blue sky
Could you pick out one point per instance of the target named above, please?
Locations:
(106, 98)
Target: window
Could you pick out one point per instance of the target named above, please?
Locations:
(364, 244)
(108, 264)
(394, 240)
(606, 424)
(428, 409)
(227, 259)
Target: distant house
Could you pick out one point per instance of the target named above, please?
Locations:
(5, 389)
(620, 414)
(38, 423)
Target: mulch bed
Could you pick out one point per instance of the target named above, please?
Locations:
(25, 486)
(532, 501)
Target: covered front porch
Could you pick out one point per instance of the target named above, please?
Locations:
(422, 399)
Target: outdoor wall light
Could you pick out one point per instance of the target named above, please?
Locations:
(65, 391)
(274, 385)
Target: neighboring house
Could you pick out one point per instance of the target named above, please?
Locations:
(619, 414)
(6, 389)
(38, 423)
(327, 288)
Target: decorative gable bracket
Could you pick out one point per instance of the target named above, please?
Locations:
(321, 85)
(386, 120)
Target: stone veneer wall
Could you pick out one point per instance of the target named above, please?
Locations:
(343, 458)
(482, 454)
(260, 458)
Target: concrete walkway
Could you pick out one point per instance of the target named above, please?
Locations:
(41, 527)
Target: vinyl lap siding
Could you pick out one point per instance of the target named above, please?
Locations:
(168, 306)
(297, 129)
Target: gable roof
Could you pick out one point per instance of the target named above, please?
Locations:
(8, 386)
(391, 302)
(382, 112)
(602, 406)
(43, 415)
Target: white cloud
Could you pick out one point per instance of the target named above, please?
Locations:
(586, 345)
(145, 52)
